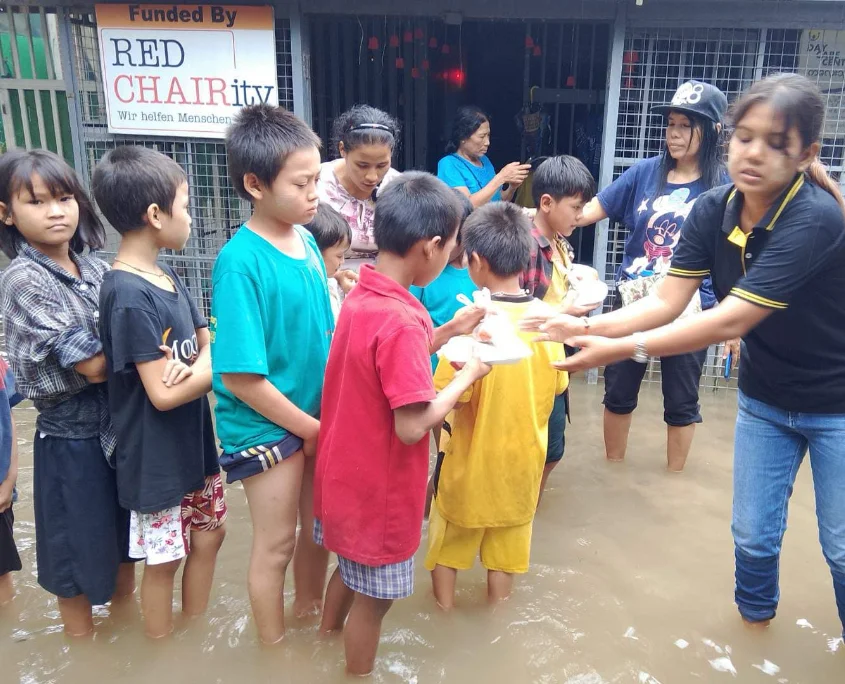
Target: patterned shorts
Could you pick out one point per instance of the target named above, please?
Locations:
(389, 582)
(164, 536)
(240, 465)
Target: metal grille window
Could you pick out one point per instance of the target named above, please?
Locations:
(216, 209)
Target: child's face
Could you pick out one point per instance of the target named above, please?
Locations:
(42, 219)
(333, 257)
(292, 197)
(176, 227)
(564, 214)
(366, 166)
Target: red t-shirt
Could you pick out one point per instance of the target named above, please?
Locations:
(369, 488)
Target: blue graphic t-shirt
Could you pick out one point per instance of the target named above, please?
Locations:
(457, 172)
(654, 222)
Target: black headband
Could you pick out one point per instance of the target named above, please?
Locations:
(371, 126)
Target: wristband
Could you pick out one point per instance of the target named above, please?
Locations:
(640, 354)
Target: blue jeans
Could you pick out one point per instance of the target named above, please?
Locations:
(769, 446)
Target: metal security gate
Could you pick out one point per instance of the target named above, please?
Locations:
(33, 91)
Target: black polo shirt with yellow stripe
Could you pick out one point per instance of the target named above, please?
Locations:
(792, 262)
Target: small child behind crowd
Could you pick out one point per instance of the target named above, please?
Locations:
(333, 236)
(489, 480)
(561, 187)
(369, 491)
(10, 561)
(158, 357)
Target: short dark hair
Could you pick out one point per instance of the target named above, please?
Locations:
(328, 227)
(261, 139)
(364, 125)
(466, 122)
(17, 167)
(415, 206)
(499, 233)
(129, 179)
(562, 176)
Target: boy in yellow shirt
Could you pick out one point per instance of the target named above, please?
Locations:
(489, 480)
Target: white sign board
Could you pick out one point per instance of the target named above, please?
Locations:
(822, 60)
(184, 70)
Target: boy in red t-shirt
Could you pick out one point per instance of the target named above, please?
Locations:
(369, 493)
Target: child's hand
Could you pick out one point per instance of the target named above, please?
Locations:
(555, 329)
(347, 279)
(569, 307)
(475, 369)
(174, 371)
(467, 318)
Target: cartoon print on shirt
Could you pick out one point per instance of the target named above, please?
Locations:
(663, 230)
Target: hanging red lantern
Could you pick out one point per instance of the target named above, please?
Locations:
(529, 42)
(445, 49)
(418, 34)
(372, 43)
(415, 73)
(400, 63)
(394, 41)
(425, 64)
(432, 42)
(537, 51)
(408, 36)
(570, 81)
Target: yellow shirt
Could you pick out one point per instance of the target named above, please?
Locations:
(491, 473)
(559, 287)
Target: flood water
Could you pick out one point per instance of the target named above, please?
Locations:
(631, 581)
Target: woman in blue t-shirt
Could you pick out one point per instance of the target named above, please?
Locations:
(652, 199)
(466, 166)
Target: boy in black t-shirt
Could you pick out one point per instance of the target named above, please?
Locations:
(157, 350)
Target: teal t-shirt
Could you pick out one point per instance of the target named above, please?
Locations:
(440, 296)
(457, 172)
(270, 316)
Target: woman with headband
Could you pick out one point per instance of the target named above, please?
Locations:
(466, 166)
(364, 139)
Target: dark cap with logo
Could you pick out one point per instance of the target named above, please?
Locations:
(699, 99)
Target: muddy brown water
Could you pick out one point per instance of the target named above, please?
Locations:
(631, 581)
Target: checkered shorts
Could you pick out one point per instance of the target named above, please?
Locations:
(389, 582)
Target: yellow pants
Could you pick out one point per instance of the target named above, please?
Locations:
(504, 549)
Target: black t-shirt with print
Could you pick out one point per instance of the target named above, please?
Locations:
(161, 455)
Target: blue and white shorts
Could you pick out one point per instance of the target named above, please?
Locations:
(388, 582)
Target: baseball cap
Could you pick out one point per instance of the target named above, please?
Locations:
(696, 97)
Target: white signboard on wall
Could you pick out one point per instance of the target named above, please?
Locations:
(822, 60)
(184, 70)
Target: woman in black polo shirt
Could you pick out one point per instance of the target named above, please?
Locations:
(774, 245)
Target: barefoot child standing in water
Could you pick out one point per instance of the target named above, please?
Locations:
(271, 325)
(50, 304)
(369, 492)
(10, 561)
(159, 373)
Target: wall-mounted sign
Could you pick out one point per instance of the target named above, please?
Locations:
(184, 70)
(822, 60)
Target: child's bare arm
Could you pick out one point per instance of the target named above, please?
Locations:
(414, 421)
(259, 394)
(166, 396)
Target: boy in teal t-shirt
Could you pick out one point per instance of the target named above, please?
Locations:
(271, 324)
(440, 297)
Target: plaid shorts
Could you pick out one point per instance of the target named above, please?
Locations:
(164, 536)
(389, 582)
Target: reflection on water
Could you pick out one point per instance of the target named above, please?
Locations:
(631, 581)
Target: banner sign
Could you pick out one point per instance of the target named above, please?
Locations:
(822, 60)
(184, 70)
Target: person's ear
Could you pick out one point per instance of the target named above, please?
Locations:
(6, 213)
(431, 246)
(341, 149)
(547, 203)
(809, 155)
(253, 186)
(152, 217)
(718, 128)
